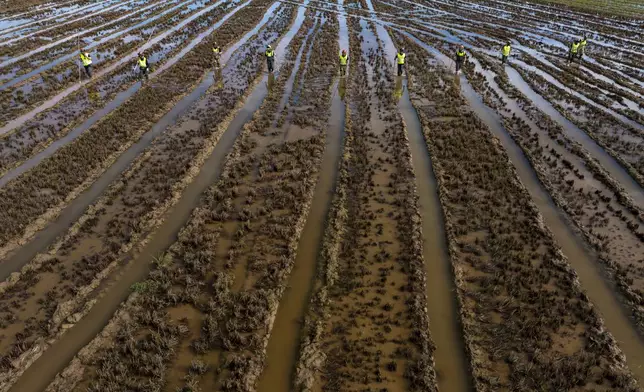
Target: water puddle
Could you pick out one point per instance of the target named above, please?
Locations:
(53, 360)
(73, 36)
(283, 345)
(550, 79)
(607, 161)
(77, 208)
(100, 10)
(583, 260)
(72, 56)
(449, 356)
(118, 100)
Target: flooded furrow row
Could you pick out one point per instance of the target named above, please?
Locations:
(93, 152)
(594, 202)
(527, 322)
(61, 28)
(26, 98)
(103, 241)
(46, 16)
(366, 325)
(66, 116)
(28, 69)
(621, 141)
(217, 321)
(12, 54)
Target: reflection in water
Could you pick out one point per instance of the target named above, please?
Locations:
(398, 89)
(342, 88)
(271, 81)
(219, 79)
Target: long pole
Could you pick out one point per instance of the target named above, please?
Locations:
(79, 67)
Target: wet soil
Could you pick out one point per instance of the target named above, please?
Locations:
(508, 268)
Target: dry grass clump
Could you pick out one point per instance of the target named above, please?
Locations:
(527, 323)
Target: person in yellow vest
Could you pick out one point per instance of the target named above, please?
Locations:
(216, 51)
(270, 58)
(582, 47)
(142, 62)
(460, 58)
(574, 49)
(505, 52)
(86, 59)
(400, 60)
(344, 58)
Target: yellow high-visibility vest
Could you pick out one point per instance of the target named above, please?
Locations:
(343, 59)
(574, 47)
(270, 53)
(506, 50)
(583, 43)
(216, 50)
(143, 63)
(86, 59)
(401, 58)
(460, 53)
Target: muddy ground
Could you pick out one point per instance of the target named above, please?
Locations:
(152, 233)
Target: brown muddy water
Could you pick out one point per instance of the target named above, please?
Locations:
(283, 345)
(582, 259)
(442, 308)
(451, 364)
(77, 208)
(53, 360)
(40, 373)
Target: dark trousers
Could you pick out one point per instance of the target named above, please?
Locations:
(88, 70)
(571, 56)
(343, 70)
(400, 69)
(504, 59)
(270, 61)
(143, 72)
(459, 64)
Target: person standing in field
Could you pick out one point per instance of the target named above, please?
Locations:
(582, 47)
(400, 59)
(460, 58)
(505, 52)
(142, 62)
(344, 58)
(270, 58)
(574, 49)
(86, 59)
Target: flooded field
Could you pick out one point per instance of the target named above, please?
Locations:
(216, 226)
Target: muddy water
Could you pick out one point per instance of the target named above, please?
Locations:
(99, 11)
(583, 260)
(442, 307)
(121, 98)
(607, 161)
(77, 208)
(72, 12)
(73, 36)
(550, 79)
(103, 40)
(283, 344)
(449, 356)
(38, 376)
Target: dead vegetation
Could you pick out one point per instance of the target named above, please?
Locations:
(521, 304)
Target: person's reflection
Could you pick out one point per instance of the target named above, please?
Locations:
(342, 88)
(219, 80)
(271, 81)
(398, 90)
